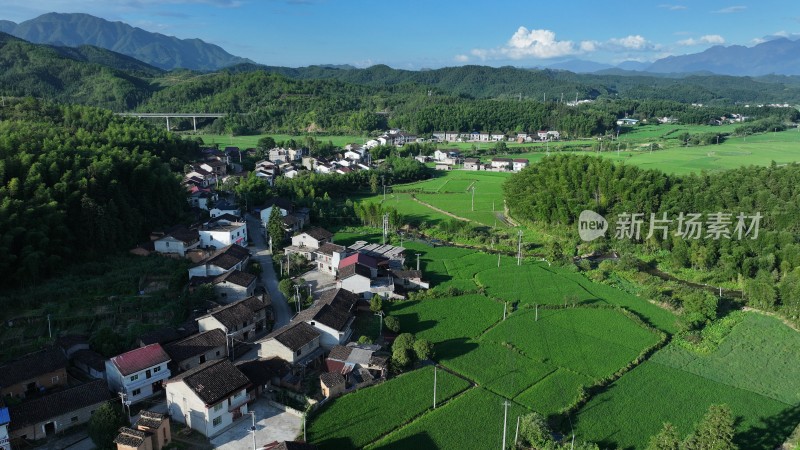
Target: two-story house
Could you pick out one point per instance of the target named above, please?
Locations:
(138, 373)
(178, 241)
(501, 163)
(33, 373)
(294, 343)
(519, 164)
(209, 397)
(234, 285)
(312, 238)
(224, 260)
(224, 207)
(195, 350)
(220, 233)
(243, 320)
(328, 256)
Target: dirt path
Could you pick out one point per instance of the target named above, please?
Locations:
(414, 197)
(772, 314)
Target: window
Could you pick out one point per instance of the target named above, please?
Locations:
(217, 421)
(136, 392)
(156, 369)
(54, 380)
(167, 243)
(217, 407)
(298, 352)
(237, 395)
(134, 377)
(73, 419)
(217, 352)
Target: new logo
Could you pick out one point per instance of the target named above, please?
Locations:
(591, 225)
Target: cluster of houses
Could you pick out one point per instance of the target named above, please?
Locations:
(451, 159)
(456, 136)
(290, 162)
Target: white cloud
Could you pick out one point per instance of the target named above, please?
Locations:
(709, 39)
(731, 9)
(631, 42)
(461, 58)
(672, 7)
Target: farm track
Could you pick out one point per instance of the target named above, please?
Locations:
(414, 197)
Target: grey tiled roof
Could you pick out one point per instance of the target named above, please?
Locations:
(196, 345)
(32, 365)
(294, 336)
(214, 380)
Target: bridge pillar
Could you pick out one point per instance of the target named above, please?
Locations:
(194, 122)
(167, 122)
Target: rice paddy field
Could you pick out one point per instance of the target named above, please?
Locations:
(543, 362)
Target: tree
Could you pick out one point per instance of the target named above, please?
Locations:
(699, 308)
(376, 304)
(401, 358)
(554, 253)
(666, 439)
(105, 423)
(266, 143)
(391, 323)
(714, 432)
(275, 228)
(364, 340)
(534, 432)
(404, 341)
(423, 349)
(373, 183)
(761, 291)
(286, 286)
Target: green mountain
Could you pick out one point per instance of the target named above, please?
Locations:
(85, 75)
(164, 52)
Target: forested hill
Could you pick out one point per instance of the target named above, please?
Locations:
(510, 82)
(165, 52)
(85, 75)
(77, 183)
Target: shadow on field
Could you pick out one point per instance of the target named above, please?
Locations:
(336, 444)
(453, 348)
(771, 432)
(419, 441)
(410, 323)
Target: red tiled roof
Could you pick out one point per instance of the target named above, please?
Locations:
(521, 160)
(140, 359)
(359, 258)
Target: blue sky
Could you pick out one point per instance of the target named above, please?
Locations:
(436, 33)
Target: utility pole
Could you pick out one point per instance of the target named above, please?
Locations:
(418, 260)
(49, 330)
(434, 387)
(473, 198)
(385, 227)
(537, 312)
(297, 296)
(380, 326)
(519, 249)
(505, 422)
(253, 428)
(498, 259)
(516, 434)
(304, 426)
(505, 308)
(125, 404)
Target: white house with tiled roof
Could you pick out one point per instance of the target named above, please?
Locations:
(208, 398)
(138, 373)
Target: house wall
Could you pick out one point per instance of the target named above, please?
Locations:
(215, 353)
(230, 292)
(139, 380)
(332, 391)
(271, 347)
(304, 240)
(62, 422)
(330, 337)
(161, 435)
(146, 445)
(221, 239)
(185, 407)
(4, 440)
(45, 380)
(172, 245)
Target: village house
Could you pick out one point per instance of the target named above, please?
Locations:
(243, 320)
(33, 373)
(444, 166)
(151, 432)
(332, 384)
(519, 164)
(90, 363)
(334, 323)
(56, 412)
(224, 260)
(234, 285)
(358, 363)
(385, 255)
(284, 205)
(313, 238)
(201, 197)
(409, 279)
(216, 166)
(472, 164)
(219, 233)
(224, 207)
(139, 373)
(209, 397)
(295, 343)
(178, 241)
(501, 164)
(328, 256)
(264, 374)
(195, 350)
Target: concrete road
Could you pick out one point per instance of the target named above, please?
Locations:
(272, 425)
(269, 279)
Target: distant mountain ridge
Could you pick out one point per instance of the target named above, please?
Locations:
(778, 56)
(164, 52)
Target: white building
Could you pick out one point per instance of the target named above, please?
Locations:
(501, 164)
(224, 260)
(519, 164)
(4, 420)
(208, 398)
(138, 373)
(234, 286)
(328, 256)
(312, 238)
(221, 233)
(178, 242)
(223, 207)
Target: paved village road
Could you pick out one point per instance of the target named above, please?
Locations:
(261, 253)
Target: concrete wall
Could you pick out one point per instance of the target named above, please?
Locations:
(63, 422)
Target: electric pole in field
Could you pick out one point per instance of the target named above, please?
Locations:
(473, 198)
(519, 249)
(418, 260)
(505, 421)
(516, 434)
(297, 296)
(434, 387)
